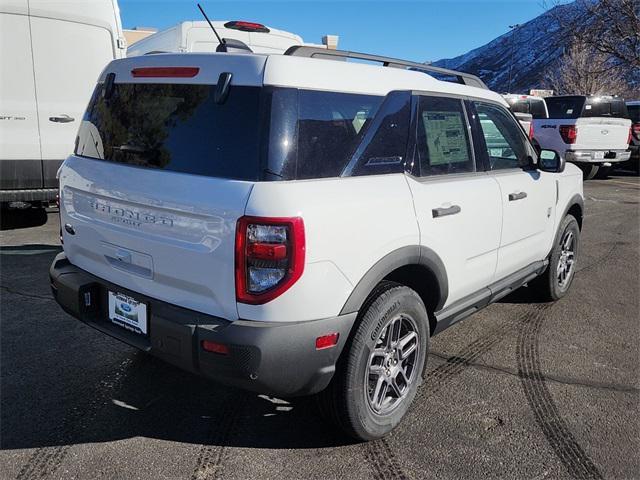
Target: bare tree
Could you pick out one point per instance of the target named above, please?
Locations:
(611, 27)
(583, 70)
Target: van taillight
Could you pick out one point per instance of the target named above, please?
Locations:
(569, 133)
(269, 259)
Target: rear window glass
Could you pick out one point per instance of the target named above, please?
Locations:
(175, 127)
(596, 107)
(634, 113)
(565, 107)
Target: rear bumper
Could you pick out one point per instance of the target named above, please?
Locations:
(271, 358)
(593, 156)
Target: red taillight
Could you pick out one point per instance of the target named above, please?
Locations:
(165, 72)
(569, 133)
(635, 128)
(215, 347)
(327, 341)
(246, 26)
(270, 256)
(531, 132)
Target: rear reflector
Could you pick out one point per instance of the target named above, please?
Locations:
(165, 72)
(246, 26)
(327, 341)
(215, 347)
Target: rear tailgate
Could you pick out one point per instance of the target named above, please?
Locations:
(162, 172)
(602, 133)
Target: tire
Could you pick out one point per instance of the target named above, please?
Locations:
(368, 395)
(589, 171)
(554, 284)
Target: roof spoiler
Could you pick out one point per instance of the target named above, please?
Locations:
(327, 54)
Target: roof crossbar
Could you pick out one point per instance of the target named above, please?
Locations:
(316, 52)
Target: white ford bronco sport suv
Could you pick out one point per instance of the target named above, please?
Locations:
(295, 225)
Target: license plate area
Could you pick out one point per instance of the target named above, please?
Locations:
(598, 155)
(128, 313)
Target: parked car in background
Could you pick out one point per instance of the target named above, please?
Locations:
(294, 225)
(633, 108)
(591, 131)
(526, 108)
(51, 54)
(198, 37)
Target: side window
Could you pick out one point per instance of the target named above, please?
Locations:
(443, 137)
(505, 143)
(384, 147)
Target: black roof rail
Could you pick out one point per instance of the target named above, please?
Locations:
(316, 52)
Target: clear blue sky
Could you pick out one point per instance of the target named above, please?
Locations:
(417, 30)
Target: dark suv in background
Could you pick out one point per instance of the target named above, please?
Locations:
(633, 107)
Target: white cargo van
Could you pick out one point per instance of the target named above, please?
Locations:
(52, 52)
(198, 37)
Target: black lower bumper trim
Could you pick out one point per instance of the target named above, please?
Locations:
(276, 358)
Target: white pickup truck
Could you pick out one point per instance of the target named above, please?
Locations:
(592, 132)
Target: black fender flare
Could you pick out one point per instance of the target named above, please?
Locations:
(409, 255)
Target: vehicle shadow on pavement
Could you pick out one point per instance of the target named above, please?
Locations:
(32, 217)
(64, 383)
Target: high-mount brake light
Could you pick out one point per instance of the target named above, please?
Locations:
(165, 72)
(246, 26)
(569, 133)
(270, 255)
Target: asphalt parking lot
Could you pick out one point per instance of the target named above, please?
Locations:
(520, 390)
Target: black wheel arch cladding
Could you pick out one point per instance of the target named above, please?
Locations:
(419, 257)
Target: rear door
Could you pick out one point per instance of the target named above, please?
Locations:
(527, 196)
(457, 203)
(68, 58)
(20, 165)
(162, 172)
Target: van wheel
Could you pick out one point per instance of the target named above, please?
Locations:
(554, 283)
(381, 367)
(589, 171)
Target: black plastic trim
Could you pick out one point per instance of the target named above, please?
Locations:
(409, 255)
(470, 304)
(275, 358)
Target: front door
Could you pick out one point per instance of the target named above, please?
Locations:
(528, 196)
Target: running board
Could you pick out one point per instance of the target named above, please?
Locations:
(470, 304)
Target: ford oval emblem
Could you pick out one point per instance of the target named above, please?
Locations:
(604, 132)
(126, 307)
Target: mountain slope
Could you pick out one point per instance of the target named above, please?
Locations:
(535, 45)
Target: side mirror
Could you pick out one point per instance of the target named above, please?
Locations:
(551, 161)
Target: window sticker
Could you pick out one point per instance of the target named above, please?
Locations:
(446, 139)
(587, 107)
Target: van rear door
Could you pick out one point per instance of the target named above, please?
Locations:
(162, 171)
(68, 58)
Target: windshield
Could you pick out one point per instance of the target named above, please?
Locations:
(565, 107)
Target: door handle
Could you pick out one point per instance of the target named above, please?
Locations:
(444, 211)
(517, 196)
(61, 119)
